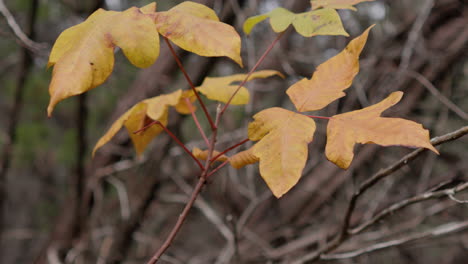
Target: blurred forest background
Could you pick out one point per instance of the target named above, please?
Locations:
(58, 205)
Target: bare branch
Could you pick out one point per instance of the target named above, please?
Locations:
(435, 92)
(402, 204)
(441, 230)
(344, 233)
(25, 40)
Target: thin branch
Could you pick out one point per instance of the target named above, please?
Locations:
(344, 233)
(260, 60)
(229, 149)
(196, 191)
(174, 137)
(414, 34)
(122, 195)
(438, 231)
(179, 63)
(217, 168)
(434, 91)
(402, 204)
(22, 37)
(195, 119)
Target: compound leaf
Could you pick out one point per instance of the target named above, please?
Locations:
(336, 4)
(196, 28)
(318, 22)
(282, 148)
(83, 55)
(330, 79)
(139, 116)
(222, 88)
(365, 126)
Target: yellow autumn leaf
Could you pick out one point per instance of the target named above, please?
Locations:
(282, 148)
(330, 79)
(365, 126)
(336, 4)
(182, 106)
(203, 154)
(140, 115)
(222, 88)
(196, 28)
(318, 22)
(83, 55)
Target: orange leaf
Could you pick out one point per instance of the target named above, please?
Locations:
(140, 115)
(221, 88)
(196, 28)
(365, 126)
(308, 24)
(203, 154)
(83, 55)
(282, 148)
(336, 4)
(330, 79)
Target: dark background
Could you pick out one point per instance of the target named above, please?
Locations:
(58, 205)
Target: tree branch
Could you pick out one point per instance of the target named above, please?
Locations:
(438, 231)
(344, 233)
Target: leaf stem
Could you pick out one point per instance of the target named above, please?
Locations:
(260, 60)
(229, 149)
(179, 63)
(180, 221)
(195, 119)
(174, 137)
(319, 117)
(196, 191)
(217, 168)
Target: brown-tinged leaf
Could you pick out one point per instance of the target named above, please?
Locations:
(203, 154)
(365, 126)
(83, 55)
(330, 79)
(282, 148)
(336, 4)
(318, 22)
(139, 116)
(222, 88)
(196, 28)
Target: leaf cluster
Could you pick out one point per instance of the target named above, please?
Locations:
(83, 59)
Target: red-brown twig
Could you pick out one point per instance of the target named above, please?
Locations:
(197, 123)
(179, 63)
(174, 137)
(252, 70)
(217, 168)
(229, 149)
(193, 196)
(180, 221)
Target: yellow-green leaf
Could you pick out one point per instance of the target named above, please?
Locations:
(330, 79)
(336, 4)
(319, 22)
(83, 55)
(196, 28)
(140, 115)
(221, 88)
(282, 148)
(365, 126)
